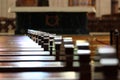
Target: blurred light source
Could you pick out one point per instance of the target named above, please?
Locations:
(83, 51)
(109, 61)
(106, 50)
(69, 46)
(82, 43)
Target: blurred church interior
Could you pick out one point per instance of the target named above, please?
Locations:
(48, 25)
(101, 13)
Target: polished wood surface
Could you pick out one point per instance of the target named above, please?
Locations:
(29, 64)
(20, 62)
(21, 58)
(96, 41)
(21, 49)
(17, 41)
(26, 58)
(24, 53)
(39, 76)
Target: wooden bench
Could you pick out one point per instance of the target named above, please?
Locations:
(18, 63)
(107, 63)
(101, 67)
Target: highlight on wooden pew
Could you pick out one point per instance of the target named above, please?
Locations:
(85, 58)
(82, 44)
(51, 42)
(69, 50)
(109, 62)
(57, 46)
(68, 47)
(68, 40)
(78, 42)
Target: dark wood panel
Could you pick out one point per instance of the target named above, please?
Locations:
(26, 2)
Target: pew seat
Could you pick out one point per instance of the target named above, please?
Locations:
(26, 58)
(34, 65)
(39, 76)
(27, 53)
(20, 49)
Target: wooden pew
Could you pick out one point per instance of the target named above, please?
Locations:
(107, 63)
(42, 38)
(39, 76)
(13, 65)
(57, 46)
(68, 50)
(24, 53)
(101, 79)
(85, 58)
(114, 40)
(18, 43)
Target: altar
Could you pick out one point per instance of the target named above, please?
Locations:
(58, 20)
